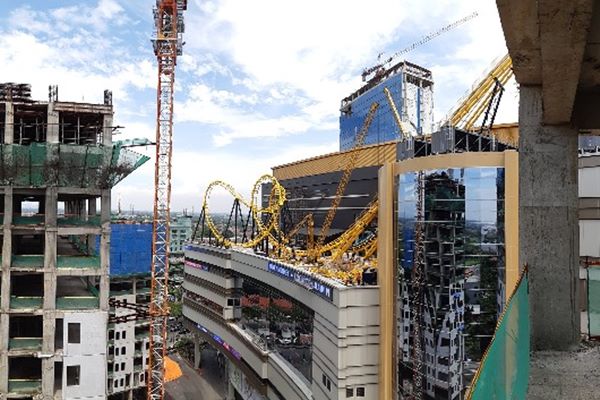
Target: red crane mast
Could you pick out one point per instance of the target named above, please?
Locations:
(168, 44)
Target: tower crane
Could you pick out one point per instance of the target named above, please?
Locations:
(399, 122)
(360, 137)
(379, 68)
(168, 44)
(485, 96)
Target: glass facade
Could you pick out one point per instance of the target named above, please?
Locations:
(279, 322)
(462, 287)
(384, 127)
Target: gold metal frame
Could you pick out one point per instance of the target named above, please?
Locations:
(386, 243)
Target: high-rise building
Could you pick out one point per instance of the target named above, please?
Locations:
(411, 88)
(181, 232)
(58, 164)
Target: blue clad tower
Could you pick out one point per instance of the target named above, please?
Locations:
(411, 87)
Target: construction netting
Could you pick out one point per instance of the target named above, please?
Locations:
(53, 164)
(504, 371)
(594, 300)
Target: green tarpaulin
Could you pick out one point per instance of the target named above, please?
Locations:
(504, 370)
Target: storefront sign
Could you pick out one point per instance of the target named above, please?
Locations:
(196, 265)
(303, 279)
(221, 342)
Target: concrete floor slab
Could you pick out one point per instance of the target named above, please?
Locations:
(566, 375)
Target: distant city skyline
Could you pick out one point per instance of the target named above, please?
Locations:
(255, 87)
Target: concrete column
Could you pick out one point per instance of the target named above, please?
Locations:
(230, 391)
(3, 372)
(91, 206)
(9, 123)
(230, 388)
(50, 254)
(6, 250)
(91, 213)
(548, 229)
(50, 206)
(104, 249)
(48, 378)
(107, 129)
(197, 353)
(105, 208)
(4, 320)
(52, 134)
(5, 290)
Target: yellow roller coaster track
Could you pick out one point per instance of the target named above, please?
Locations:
(471, 108)
(277, 198)
(268, 227)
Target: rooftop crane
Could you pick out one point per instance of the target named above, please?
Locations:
(399, 122)
(484, 97)
(360, 137)
(381, 66)
(168, 44)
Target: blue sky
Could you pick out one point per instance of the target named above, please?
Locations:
(260, 81)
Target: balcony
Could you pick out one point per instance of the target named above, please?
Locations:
(24, 386)
(77, 302)
(27, 262)
(25, 343)
(26, 302)
(76, 293)
(24, 375)
(78, 262)
(78, 221)
(28, 220)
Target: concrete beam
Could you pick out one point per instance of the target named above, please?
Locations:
(521, 31)
(563, 27)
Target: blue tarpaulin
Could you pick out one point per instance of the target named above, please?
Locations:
(130, 249)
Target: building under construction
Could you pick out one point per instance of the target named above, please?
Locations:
(58, 164)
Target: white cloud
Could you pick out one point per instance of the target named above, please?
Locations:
(72, 47)
(317, 49)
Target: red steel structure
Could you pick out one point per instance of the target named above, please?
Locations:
(168, 44)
